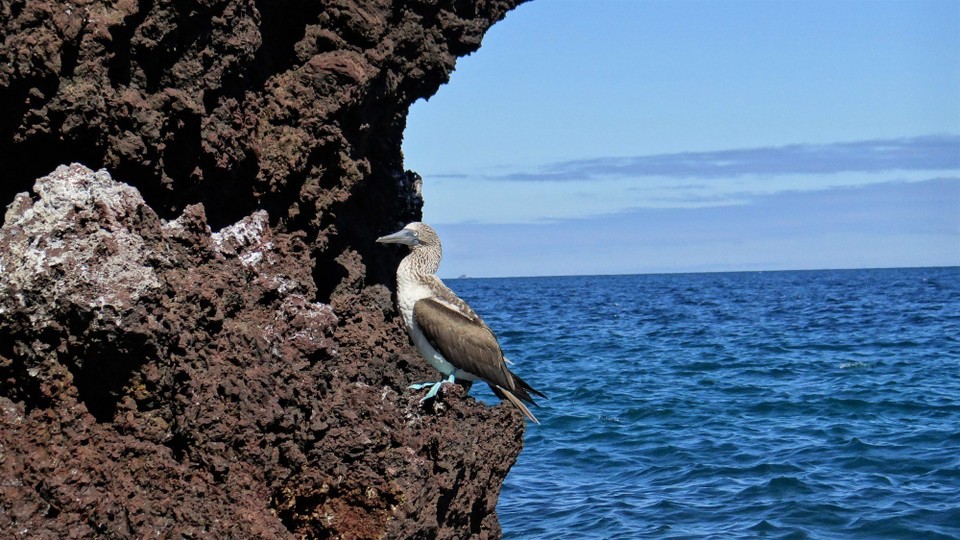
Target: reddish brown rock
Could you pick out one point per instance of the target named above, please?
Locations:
(161, 379)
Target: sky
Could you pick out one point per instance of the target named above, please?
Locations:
(637, 136)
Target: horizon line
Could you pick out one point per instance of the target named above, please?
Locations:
(695, 272)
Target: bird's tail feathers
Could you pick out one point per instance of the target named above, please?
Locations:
(523, 390)
(503, 393)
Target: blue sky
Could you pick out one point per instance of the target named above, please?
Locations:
(604, 137)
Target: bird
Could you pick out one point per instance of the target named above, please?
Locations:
(445, 330)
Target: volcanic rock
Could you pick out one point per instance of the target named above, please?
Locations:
(202, 342)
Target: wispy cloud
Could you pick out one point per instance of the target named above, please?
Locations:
(449, 175)
(927, 153)
(885, 224)
(603, 186)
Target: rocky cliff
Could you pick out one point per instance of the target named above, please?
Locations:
(200, 340)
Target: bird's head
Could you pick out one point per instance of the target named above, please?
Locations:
(416, 235)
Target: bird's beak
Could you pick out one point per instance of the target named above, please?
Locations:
(403, 236)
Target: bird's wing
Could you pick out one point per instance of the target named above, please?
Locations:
(465, 342)
(445, 296)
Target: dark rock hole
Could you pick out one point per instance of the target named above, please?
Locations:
(102, 373)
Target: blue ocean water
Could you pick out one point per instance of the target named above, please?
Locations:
(815, 404)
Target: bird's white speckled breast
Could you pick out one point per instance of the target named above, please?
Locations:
(409, 291)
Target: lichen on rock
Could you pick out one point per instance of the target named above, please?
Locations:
(66, 230)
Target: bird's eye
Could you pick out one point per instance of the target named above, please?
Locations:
(416, 234)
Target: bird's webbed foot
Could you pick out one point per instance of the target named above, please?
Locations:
(434, 387)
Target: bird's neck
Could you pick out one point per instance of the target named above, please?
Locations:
(422, 261)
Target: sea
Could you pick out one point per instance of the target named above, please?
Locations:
(806, 404)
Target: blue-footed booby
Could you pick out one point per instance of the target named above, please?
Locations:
(446, 331)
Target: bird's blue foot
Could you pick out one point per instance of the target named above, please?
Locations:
(434, 387)
(433, 391)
